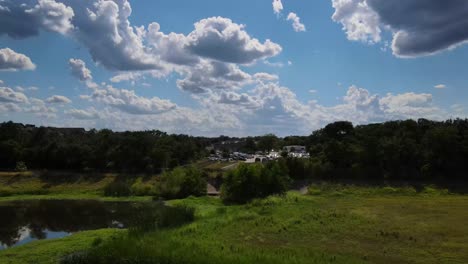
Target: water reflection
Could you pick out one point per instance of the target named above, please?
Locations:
(22, 222)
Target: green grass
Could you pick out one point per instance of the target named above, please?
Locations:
(50, 251)
(30, 186)
(333, 224)
(329, 189)
(348, 228)
(74, 196)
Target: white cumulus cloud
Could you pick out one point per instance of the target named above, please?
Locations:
(12, 61)
(277, 6)
(58, 99)
(78, 69)
(296, 22)
(8, 95)
(83, 114)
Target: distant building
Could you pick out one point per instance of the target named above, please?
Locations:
(295, 149)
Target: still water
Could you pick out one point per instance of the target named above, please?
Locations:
(26, 221)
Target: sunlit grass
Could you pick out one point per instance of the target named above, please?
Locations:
(28, 186)
(331, 224)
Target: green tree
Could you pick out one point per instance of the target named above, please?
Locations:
(182, 182)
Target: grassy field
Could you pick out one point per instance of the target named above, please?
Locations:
(332, 224)
(68, 185)
(30, 186)
(31, 183)
(50, 251)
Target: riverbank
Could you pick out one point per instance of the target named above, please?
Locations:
(75, 196)
(50, 251)
(331, 224)
(63, 186)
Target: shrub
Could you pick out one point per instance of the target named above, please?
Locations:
(21, 166)
(117, 189)
(139, 188)
(182, 182)
(247, 182)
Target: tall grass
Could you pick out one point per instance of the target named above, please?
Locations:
(128, 248)
(335, 189)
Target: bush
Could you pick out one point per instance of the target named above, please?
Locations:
(247, 182)
(21, 166)
(139, 188)
(182, 182)
(117, 189)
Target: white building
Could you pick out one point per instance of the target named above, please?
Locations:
(295, 149)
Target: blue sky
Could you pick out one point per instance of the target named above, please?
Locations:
(245, 68)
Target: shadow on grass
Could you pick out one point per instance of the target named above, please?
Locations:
(126, 249)
(62, 177)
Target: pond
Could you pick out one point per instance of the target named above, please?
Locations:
(25, 221)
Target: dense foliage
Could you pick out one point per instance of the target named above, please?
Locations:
(399, 150)
(117, 189)
(247, 182)
(182, 182)
(79, 150)
(419, 150)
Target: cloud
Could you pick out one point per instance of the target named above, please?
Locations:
(273, 64)
(129, 102)
(9, 107)
(82, 114)
(214, 76)
(277, 6)
(21, 19)
(409, 105)
(459, 109)
(39, 108)
(207, 58)
(20, 89)
(53, 16)
(220, 39)
(12, 101)
(126, 76)
(104, 28)
(418, 27)
(12, 61)
(78, 69)
(23, 89)
(58, 99)
(171, 48)
(296, 22)
(8, 95)
(262, 107)
(263, 76)
(360, 22)
(243, 100)
(33, 88)
(440, 86)
(270, 107)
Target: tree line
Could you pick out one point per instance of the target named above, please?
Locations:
(396, 150)
(104, 150)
